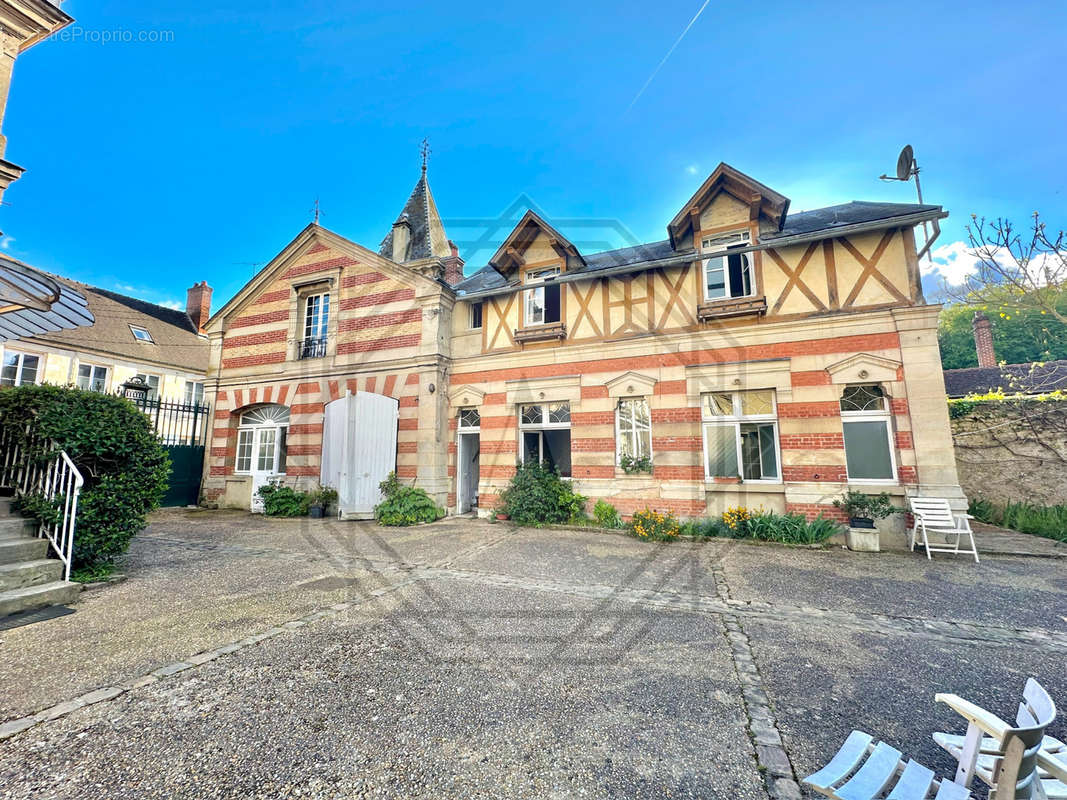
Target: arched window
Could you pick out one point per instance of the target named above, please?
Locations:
(261, 439)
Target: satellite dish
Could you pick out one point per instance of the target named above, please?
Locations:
(905, 162)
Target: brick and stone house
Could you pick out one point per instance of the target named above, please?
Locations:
(753, 357)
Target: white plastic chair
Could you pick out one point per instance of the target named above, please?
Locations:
(1019, 759)
(933, 516)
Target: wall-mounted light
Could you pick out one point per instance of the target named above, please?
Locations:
(432, 388)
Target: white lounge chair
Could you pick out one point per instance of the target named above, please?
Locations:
(1003, 755)
(933, 517)
(849, 776)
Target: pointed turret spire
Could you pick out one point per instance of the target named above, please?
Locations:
(418, 232)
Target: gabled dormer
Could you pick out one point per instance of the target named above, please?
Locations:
(728, 198)
(535, 254)
(533, 242)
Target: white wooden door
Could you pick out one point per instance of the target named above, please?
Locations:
(359, 450)
(373, 449)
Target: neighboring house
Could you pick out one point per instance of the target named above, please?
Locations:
(129, 337)
(755, 356)
(989, 376)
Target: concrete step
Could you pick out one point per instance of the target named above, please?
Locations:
(30, 597)
(16, 526)
(12, 551)
(30, 573)
(5, 507)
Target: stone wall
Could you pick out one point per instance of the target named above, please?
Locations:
(1012, 450)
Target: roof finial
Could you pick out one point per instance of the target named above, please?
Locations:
(316, 211)
(424, 150)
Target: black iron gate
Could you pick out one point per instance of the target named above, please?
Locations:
(183, 430)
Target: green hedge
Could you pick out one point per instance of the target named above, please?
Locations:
(125, 467)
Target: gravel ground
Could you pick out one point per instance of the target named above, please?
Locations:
(503, 662)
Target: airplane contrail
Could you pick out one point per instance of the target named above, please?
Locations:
(659, 66)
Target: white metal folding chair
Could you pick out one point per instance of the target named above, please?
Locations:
(933, 516)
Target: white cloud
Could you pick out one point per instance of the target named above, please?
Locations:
(173, 304)
(5, 243)
(125, 287)
(956, 261)
(953, 262)
(692, 169)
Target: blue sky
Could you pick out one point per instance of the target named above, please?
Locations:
(151, 165)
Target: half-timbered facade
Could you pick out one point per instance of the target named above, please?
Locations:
(754, 357)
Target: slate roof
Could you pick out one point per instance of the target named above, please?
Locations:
(1012, 378)
(428, 237)
(176, 342)
(854, 213)
(801, 223)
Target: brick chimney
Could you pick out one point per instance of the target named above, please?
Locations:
(453, 265)
(983, 340)
(198, 304)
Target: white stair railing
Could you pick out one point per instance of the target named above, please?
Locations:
(39, 467)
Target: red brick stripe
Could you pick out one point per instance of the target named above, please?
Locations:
(271, 297)
(281, 315)
(266, 337)
(670, 387)
(678, 473)
(593, 392)
(813, 510)
(252, 361)
(904, 441)
(592, 445)
(661, 415)
(380, 320)
(830, 473)
(387, 343)
(589, 418)
(381, 298)
(330, 263)
(815, 377)
(824, 408)
(364, 278)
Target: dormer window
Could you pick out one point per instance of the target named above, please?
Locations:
(728, 273)
(542, 301)
(141, 334)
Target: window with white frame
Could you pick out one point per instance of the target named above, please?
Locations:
(194, 393)
(153, 384)
(316, 325)
(476, 315)
(868, 431)
(545, 435)
(469, 419)
(261, 440)
(92, 377)
(741, 435)
(541, 302)
(19, 369)
(633, 429)
(728, 273)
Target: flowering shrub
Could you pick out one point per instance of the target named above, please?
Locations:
(736, 519)
(654, 526)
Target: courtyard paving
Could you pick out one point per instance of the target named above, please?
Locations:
(249, 657)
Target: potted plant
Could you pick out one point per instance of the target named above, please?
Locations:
(319, 500)
(328, 497)
(862, 510)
